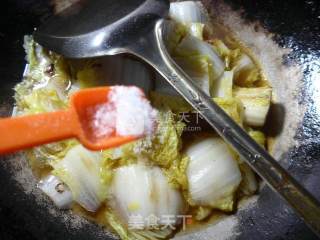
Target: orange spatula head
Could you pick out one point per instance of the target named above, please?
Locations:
(29, 131)
(81, 102)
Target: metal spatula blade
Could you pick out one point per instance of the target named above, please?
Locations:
(99, 27)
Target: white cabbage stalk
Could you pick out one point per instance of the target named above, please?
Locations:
(80, 170)
(138, 190)
(196, 67)
(191, 46)
(188, 11)
(173, 32)
(57, 191)
(243, 62)
(256, 103)
(222, 87)
(245, 71)
(196, 30)
(212, 173)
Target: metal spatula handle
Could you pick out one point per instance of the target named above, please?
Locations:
(266, 166)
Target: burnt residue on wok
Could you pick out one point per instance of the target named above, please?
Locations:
(296, 25)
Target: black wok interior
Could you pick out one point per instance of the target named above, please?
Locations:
(296, 25)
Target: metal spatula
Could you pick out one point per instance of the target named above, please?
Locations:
(101, 27)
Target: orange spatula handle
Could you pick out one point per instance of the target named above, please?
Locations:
(28, 131)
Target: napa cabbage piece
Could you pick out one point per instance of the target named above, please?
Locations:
(246, 73)
(258, 136)
(57, 191)
(246, 70)
(80, 170)
(222, 87)
(176, 174)
(156, 198)
(230, 56)
(140, 202)
(191, 46)
(174, 32)
(196, 29)
(46, 81)
(256, 103)
(198, 68)
(199, 60)
(46, 155)
(188, 12)
(162, 148)
(167, 142)
(221, 48)
(187, 18)
(45, 88)
(213, 174)
(39, 101)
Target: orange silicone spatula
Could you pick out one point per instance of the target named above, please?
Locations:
(29, 131)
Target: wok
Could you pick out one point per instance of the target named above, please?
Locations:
(295, 122)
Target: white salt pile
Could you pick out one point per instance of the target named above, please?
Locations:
(126, 112)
